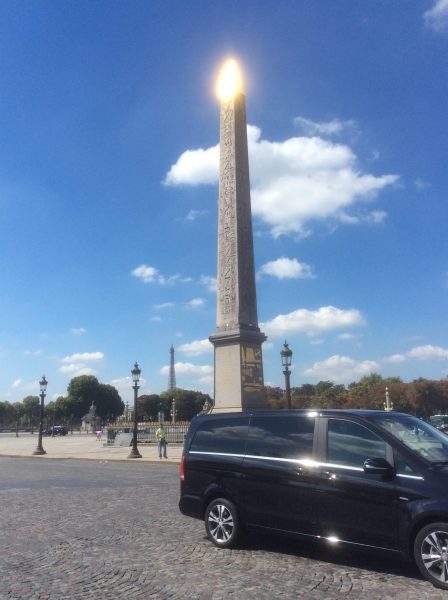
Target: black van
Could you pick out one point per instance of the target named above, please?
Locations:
(372, 479)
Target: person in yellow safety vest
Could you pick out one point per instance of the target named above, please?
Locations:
(161, 439)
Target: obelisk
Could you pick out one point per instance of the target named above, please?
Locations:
(237, 338)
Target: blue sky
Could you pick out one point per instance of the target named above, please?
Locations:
(108, 187)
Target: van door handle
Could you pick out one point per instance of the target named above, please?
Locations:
(302, 471)
(328, 475)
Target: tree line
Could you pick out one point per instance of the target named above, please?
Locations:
(84, 390)
(421, 397)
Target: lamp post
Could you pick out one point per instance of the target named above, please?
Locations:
(135, 378)
(43, 388)
(173, 411)
(388, 405)
(286, 355)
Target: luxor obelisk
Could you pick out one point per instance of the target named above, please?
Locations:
(237, 338)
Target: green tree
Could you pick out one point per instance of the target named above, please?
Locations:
(188, 403)
(108, 403)
(81, 392)
(84, 390)
(274, 397)
(148, 406)
(31, 409)
(8, 413)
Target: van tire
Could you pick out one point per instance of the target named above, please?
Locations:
(431, 553)
(222, 523)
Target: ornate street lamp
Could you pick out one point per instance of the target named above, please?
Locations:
(388, 405)
(135, 378)
(43, 388)
(17, 422)
(286, 355)
(52, 429)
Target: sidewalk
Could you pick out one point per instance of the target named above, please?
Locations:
(80, 445)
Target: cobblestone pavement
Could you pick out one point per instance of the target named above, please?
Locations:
(80, 530)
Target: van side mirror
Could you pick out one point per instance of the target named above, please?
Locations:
(378, 466)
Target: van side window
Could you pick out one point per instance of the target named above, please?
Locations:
(351, 444)
(281, 437)
(402, 465)
(227, 436)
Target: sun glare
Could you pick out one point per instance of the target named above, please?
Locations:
(229, 80)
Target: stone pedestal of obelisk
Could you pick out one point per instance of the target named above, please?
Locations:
(237, 338)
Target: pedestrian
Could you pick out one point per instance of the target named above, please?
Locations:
(161, 439)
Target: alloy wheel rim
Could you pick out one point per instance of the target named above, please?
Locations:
(434, 553)
(220, 523)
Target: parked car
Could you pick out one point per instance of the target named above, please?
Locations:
(374, 480)
(440, 421)
(56, 430)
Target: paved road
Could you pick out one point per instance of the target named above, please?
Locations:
(81, 530)
(78, 445)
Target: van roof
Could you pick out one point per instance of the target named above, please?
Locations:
(301, 411)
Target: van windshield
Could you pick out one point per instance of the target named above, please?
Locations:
(420, 437)
(438, 420)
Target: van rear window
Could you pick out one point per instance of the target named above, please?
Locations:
(227, 436)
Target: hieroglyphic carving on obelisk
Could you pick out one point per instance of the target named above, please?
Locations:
(237, 339)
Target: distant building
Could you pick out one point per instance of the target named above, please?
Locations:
(172, 375)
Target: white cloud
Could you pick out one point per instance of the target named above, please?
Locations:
(341, 369)
(124, 387)
(78, 331)
(287, 268)
(188, 369)
(196, 348)
(156, 318)
(309, 177)
(193, 215)
(375, 217)
(344, 337)
(421, 184)
(328, 128)
(196, 303)
(395, 358)
(209, 282)
(436, 18)
(83, 357)
(313, 322)
(33, 352)
(145, 273)
(194, 167)
(76, 364)
(427, 352)
(150, 274)
(76, 369)
(31, 387)
(164, 305)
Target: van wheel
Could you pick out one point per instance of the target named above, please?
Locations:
(222, 523)
(431, 553)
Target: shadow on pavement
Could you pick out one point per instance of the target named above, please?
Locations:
(347, 557)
